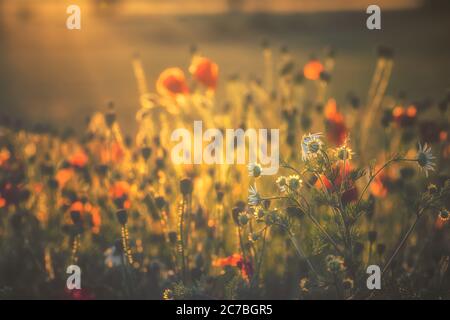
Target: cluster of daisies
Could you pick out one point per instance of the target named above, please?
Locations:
(311, 147)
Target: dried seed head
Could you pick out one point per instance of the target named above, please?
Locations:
(186, 186)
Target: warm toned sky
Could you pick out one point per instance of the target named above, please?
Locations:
(143, 7)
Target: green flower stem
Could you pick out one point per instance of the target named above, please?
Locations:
(403, 241)
(300, 252)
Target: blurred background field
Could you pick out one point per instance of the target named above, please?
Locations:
(140, 225)
(51, 74)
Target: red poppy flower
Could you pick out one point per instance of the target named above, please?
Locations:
(172, 82)
(334, 122)
(205, 71)
(350, 193)
(79, 159)
(404, 116)
(235, 260)
(313, 69)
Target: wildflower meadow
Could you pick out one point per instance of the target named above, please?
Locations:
(357, 206)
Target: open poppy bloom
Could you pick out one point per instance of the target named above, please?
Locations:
(380, 185)
(404, 116)
(339, 175)
(172, 82)
(79, 159)
(313, 69)
(119, 193)
(334, 122)
(63, 176)
(205, 71)
(235, 260)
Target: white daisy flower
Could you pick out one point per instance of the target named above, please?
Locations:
(254, 198)
(311, 145)
(254, 170)
(425, 158)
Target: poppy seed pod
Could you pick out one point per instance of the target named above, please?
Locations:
(75, 216)
(146, 152)
(160, 202)
(186, 186)
(220, 195)
(122, 216)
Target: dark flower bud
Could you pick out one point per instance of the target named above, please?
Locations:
(102, 169)
(160, 163)
(305, 122)
(186, 186)
(325, 77)
(241, 205)
(266, 204)
(146, 152)
(160, 202)
(53, 184)
(76, 217)
(122, 216)
(220, 195)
